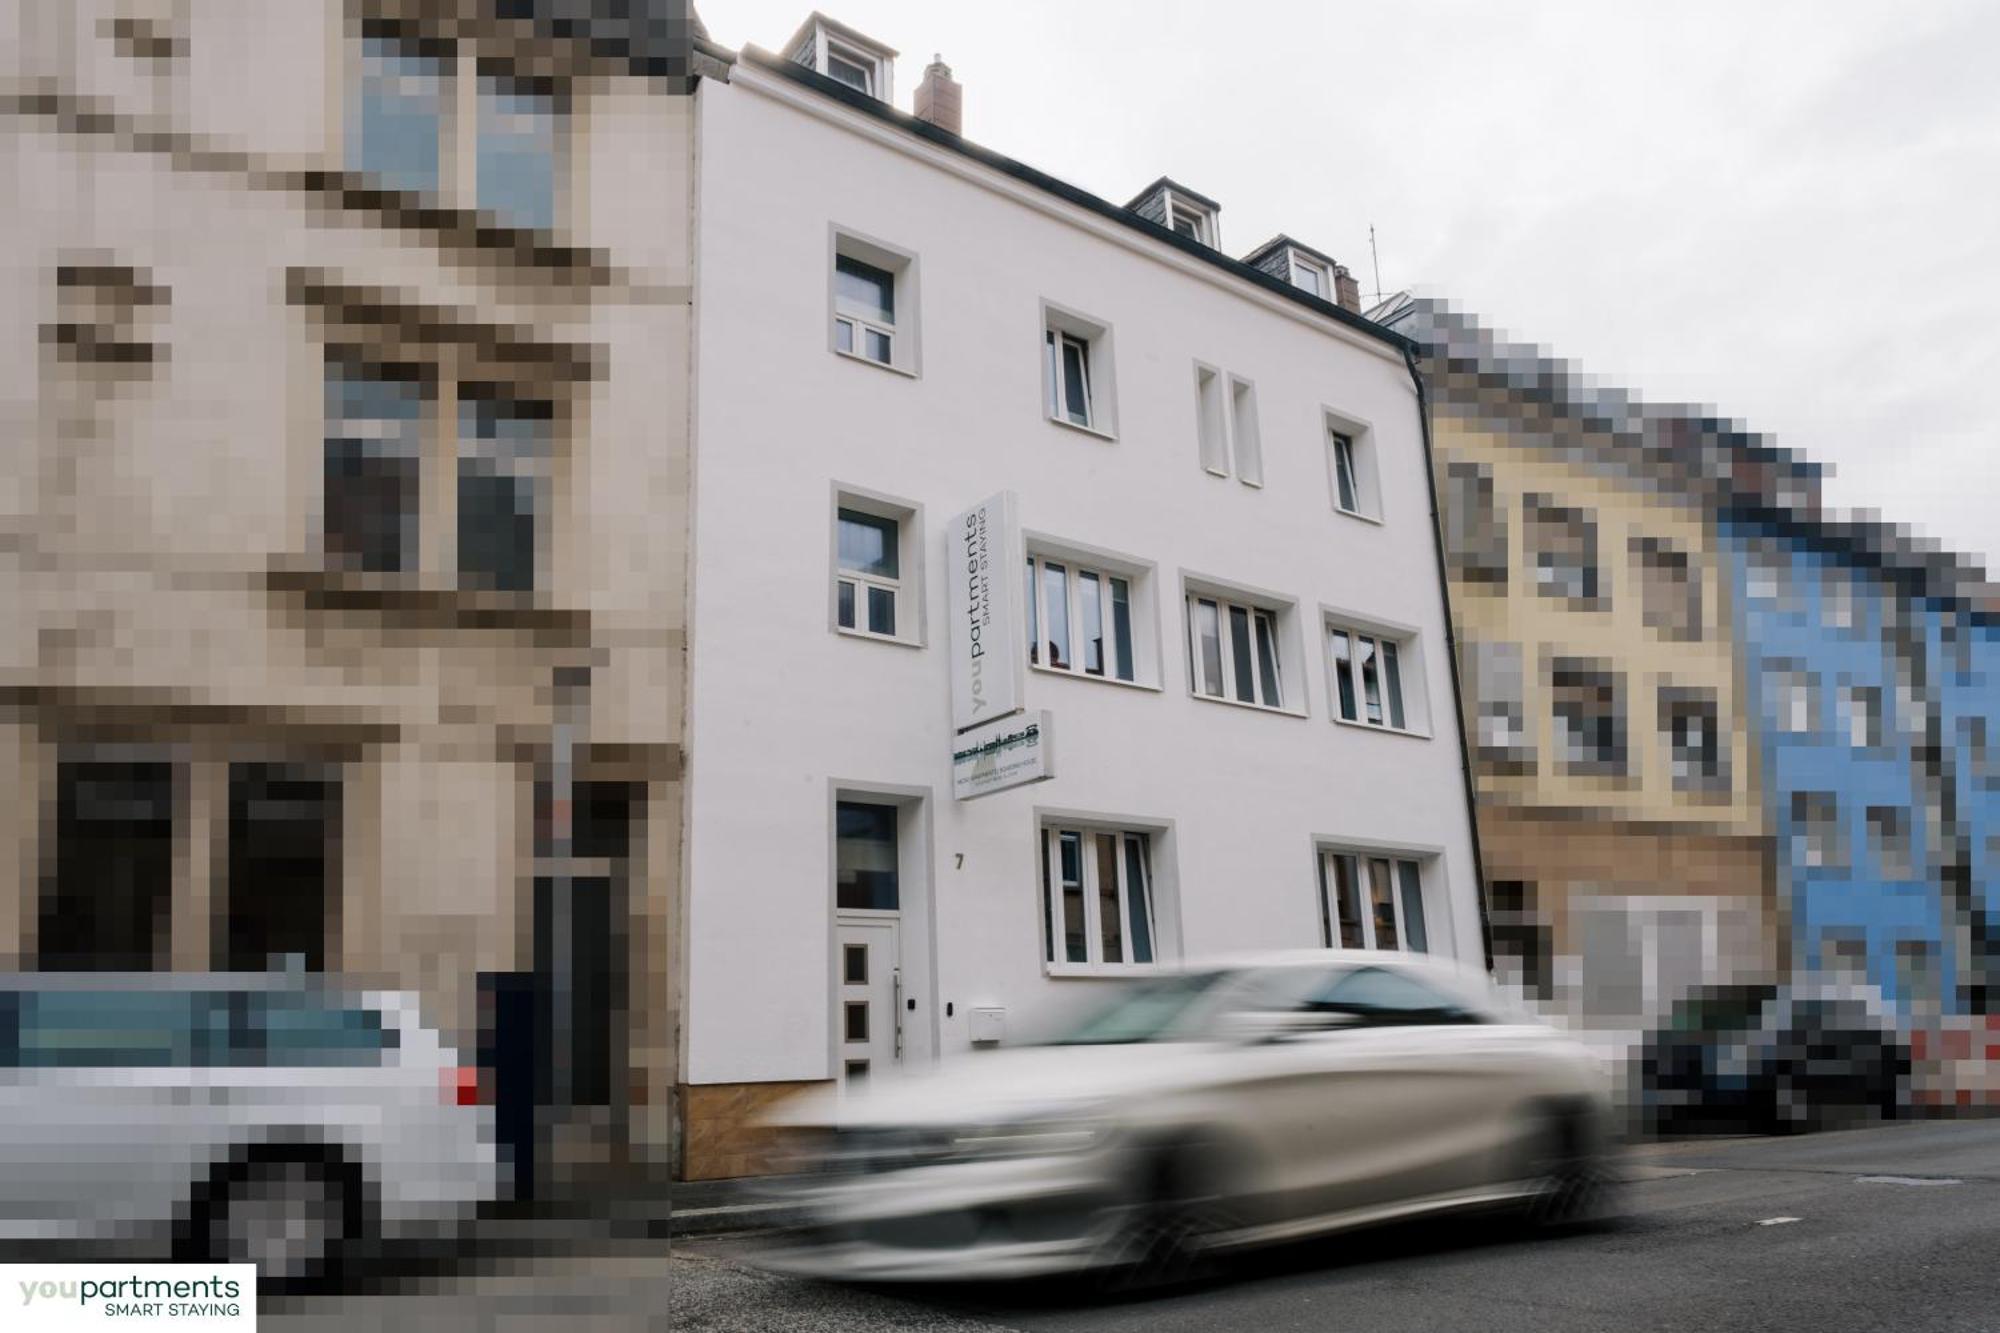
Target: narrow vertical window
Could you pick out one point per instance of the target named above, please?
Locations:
(1347, 899)
(1382, 903)
(1076, 379)
(1343, 471)
(1267, 659)
(1243, 429)
(374, 436)
(1092, 611)
(504, 451)
(1210, 424)
(1110, 923)
(517, 153)
(1343, 672)
(1208, 636)
(1392, 683)
(1371, 682)
(864, 306)
(1055, 590)
(1074, 942)
(1414, 934)
(1034, 617)
(1138, 898)
(1239, 644)
(1121, 627)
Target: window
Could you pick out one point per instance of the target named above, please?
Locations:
(374, 445)
(1982, 757)
(500, 444)
(1792, 695)
(1211, 425)
(1767, 572)
(503, 478)
(1069, 377)
(1368, 669)
(845, 56)
(865, 857)
(519, 122)
(876, 559)
(1312, 276)
(1839, 603)
(1191, 220)
(1861, 716)
(867, 583)
(1562, 548)
(402, 129)
(105, 903)
(1080, 620)
(1692, 728)
(1076, 371)
(1350, 467)
(283, 852)
(398, 124)
(1371, 902)
(851, 67)
(1815, 836)
(1475, 531)
(864, 321)
(1097, 897)
(1233, 651)
(1499, 697)
(1243, 430)
(1589, 718)
(1889, 836)
(1669, 589)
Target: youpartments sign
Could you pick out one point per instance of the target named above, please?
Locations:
(1009, 753)
(985, 573)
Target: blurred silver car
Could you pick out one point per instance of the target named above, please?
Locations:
(1203, 1112)
(254, 1120)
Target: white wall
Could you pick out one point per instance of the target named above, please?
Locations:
(782, 706)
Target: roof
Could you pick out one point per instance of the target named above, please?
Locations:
(1285, 241)
(841, 30)
(649, 37)
(1179, 189)
(1060, 189)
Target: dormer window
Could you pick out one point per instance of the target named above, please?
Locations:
(845, 56)
(1312, 276)
(1180, 210)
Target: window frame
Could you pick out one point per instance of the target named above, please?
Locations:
(1617, 768)
(1362, 466)
(1541, 509)
(904, 327)
(1162, 889)
(1076, 560)
(1673, 700)
(1279, 648)
(1361, 854)
(1303, 264)
(1411, 700)
(1059, 326)
(907, 587)
(1246, 442)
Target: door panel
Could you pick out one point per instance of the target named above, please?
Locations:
(867, 997)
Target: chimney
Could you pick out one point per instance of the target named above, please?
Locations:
(1346, 291)
(939, 98)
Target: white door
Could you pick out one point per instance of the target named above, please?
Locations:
(868, 995)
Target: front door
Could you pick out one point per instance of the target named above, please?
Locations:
(868, 996)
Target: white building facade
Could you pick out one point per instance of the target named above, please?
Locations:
(1214, 576)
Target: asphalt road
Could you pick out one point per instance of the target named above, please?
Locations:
(1854, 1230)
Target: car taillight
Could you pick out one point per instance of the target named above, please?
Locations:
(464, 1086)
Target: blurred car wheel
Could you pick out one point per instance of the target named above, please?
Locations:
(1161, 1239)
(294, 1217)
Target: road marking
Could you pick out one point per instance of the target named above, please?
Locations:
(1906, 1180)
(1776, 1221)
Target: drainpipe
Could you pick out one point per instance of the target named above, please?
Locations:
(1451, 650)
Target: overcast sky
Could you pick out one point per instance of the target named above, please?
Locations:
(1790, 211)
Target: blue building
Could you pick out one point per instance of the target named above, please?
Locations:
(1875, 679)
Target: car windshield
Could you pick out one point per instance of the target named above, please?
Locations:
(1729, 1009)
(1153, 1010)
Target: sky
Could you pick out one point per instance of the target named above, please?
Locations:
(1789, 211)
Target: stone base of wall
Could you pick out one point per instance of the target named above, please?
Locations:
(718, 1137)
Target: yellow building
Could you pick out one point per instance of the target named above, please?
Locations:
(1612, 753)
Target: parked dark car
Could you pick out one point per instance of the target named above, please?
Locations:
(1770, 1059)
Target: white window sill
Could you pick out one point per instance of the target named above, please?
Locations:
(1091, 431)
(1238, 703)
(1356, 513)
(889, 366)
(1102, 971)
(899, 640)
(1410, 732)
(1065, 674)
